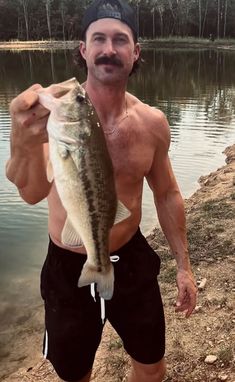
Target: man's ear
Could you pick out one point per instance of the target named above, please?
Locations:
(82, 49)
(136, 51)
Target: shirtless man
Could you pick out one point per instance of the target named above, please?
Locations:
(138, 139)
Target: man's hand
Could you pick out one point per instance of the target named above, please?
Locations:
(29, 120)
(187, 292)
(26, 167)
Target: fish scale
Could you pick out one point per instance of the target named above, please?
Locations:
(82, 170)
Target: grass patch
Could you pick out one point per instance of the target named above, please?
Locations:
(187, 42)
(117, 364)
(115, 344)
(226, 355)
(219, 228)
(217, 209)
(206, 234)
(189, 39)
(233, 196)
(168, 274)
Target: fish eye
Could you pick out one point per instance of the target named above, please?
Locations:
(80, 98)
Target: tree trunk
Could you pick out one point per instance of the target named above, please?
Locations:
(48, 10)
(18, 27)
(200, 19)
(154, 23)
(26, 17)
(171, 9)
(62, 10)
(218, 18)
(138, 19)
(161, 19)
(225, 16)
(204, 19)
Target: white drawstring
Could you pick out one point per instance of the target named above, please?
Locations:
(45, 351)
(114, 259)
(93, 291)
(102, 309)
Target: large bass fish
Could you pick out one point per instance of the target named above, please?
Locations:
(82, 170)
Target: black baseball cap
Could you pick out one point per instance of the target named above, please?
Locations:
(114, 9)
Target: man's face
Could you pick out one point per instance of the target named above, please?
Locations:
(109, 50)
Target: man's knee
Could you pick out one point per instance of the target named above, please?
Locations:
(148, 373)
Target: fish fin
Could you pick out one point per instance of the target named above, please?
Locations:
(103, 279)
(122, 213)
(62, 88)
(63, 150)
(50, 175)
(69, 236)
(47, 100)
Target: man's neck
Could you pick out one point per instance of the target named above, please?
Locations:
(108, 100)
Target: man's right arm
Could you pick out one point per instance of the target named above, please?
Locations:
(26, 167)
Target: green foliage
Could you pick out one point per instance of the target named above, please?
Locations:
(32, 19)
(217, 209)
(226, 355)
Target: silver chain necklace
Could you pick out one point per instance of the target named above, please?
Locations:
(111, 131)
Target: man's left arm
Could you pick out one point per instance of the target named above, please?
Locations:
(170, 209)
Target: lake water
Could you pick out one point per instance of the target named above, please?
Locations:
(195, 89)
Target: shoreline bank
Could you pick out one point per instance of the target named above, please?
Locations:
(210, 213)
(37, 45)
(171, 43)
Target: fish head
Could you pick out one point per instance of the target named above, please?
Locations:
(73, 104)
(67, 101)
(70, 109)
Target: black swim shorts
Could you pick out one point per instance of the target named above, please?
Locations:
(72, 317)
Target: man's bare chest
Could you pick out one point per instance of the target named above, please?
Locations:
(131, 154)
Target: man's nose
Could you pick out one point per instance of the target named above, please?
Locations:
(109, 49)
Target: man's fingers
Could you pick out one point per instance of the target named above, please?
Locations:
(25, 100)
(189, 312)
(192, 302)
(35, 87)
(180, 298)
(186, 303)
(37, 113)
(182, 307)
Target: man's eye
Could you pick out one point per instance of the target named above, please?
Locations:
(120, 40)
(99, 38)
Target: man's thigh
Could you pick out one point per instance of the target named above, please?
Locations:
(73, 325)
(136, 310)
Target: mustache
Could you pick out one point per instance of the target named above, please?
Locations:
(112, 60)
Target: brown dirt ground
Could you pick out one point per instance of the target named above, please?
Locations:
(211, 329)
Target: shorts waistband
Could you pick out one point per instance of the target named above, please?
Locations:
(65, 251)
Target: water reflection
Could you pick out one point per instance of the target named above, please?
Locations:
(187, 75)
(195, 89)
(18, 70)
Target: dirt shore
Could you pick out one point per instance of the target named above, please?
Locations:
(157, 43)
(37, 45)
(201, 348)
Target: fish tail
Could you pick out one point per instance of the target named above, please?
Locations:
(104, 279)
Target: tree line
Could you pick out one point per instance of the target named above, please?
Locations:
(61, 19)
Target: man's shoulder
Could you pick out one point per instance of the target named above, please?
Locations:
(145, 111)
(150, 118)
